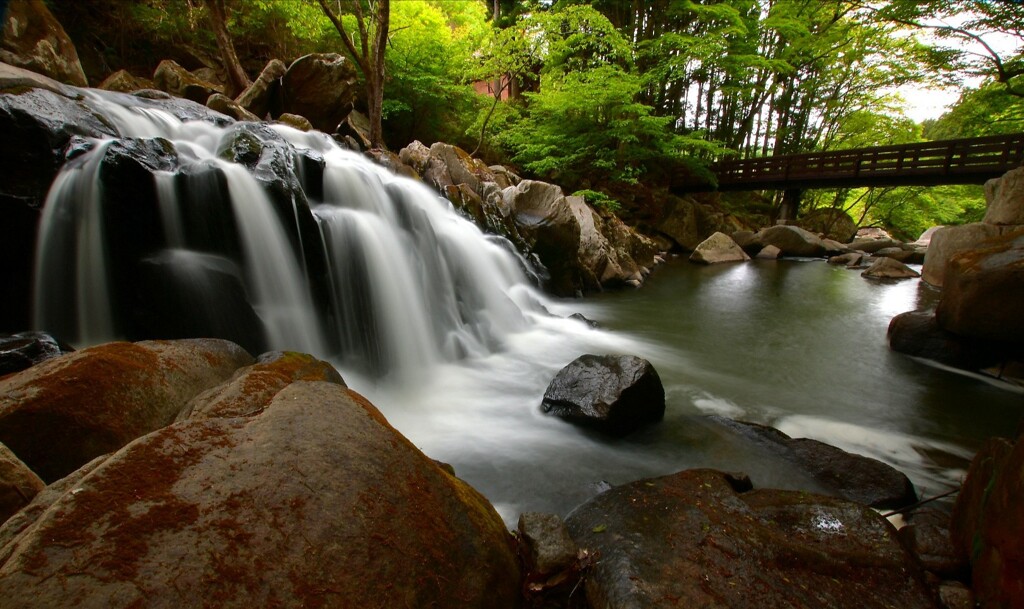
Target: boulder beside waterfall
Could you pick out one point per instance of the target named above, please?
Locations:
(613, 394)
(581, 249)
(276, 489)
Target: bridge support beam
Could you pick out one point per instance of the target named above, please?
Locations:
(790, 205)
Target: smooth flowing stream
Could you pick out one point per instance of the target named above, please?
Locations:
(440, 327)
(797, 344)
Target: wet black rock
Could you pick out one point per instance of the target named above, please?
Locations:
(841, 474)
(613, 394)
(26, 349)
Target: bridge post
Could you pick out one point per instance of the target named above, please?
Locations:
(790, 205)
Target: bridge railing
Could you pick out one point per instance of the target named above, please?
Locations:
(966, 160)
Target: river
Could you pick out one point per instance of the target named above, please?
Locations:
(797, 344)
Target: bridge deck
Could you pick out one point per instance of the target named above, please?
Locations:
(963, 161)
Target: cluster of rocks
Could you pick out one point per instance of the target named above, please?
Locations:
(169, 473)
(316, 91)
(880, 256)
(580, 248)
(980, 269)
(180, 473)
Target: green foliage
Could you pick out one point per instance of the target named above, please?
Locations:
(585, 125)
(987, 110)
(427, 96)
(908, 212)
(599, 201)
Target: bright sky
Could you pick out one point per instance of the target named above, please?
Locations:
(923, 103)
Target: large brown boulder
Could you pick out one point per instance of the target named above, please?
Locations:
(983, 291)
(701, 538)
(792, 240)
(951, 240)
(64, 412)
(1005, 198)
(179, 82)
(312, 500)
(320, 87)
(33, 39)
(988, 523)
(18, 484)
(613, 394)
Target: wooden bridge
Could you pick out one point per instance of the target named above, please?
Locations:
(963, 161)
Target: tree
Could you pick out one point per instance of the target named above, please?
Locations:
(238, 81)
(367, 50)
(429, 64)
(975, 28)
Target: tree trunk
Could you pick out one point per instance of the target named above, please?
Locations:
(238, 81)
(375, 85)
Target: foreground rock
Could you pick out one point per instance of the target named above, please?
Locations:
(919, 334)
(701, 538)
(983, 291)
(613, 394)
(988, 523)
(844, 475)
(311, 501)
(719, 247)
(18, 484)
(64, 412)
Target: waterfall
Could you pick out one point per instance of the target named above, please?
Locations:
(310, 247)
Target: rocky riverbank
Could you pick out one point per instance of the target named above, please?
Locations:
(185, 473)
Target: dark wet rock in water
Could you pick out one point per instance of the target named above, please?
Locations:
(584, 319)
(918, 333)
(26, 349)
(846, 475)
(693, 540)
(614, 394)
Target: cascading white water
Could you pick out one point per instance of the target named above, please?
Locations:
(71, 229)
(411, 283)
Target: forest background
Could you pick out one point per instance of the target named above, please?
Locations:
(614, 98)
